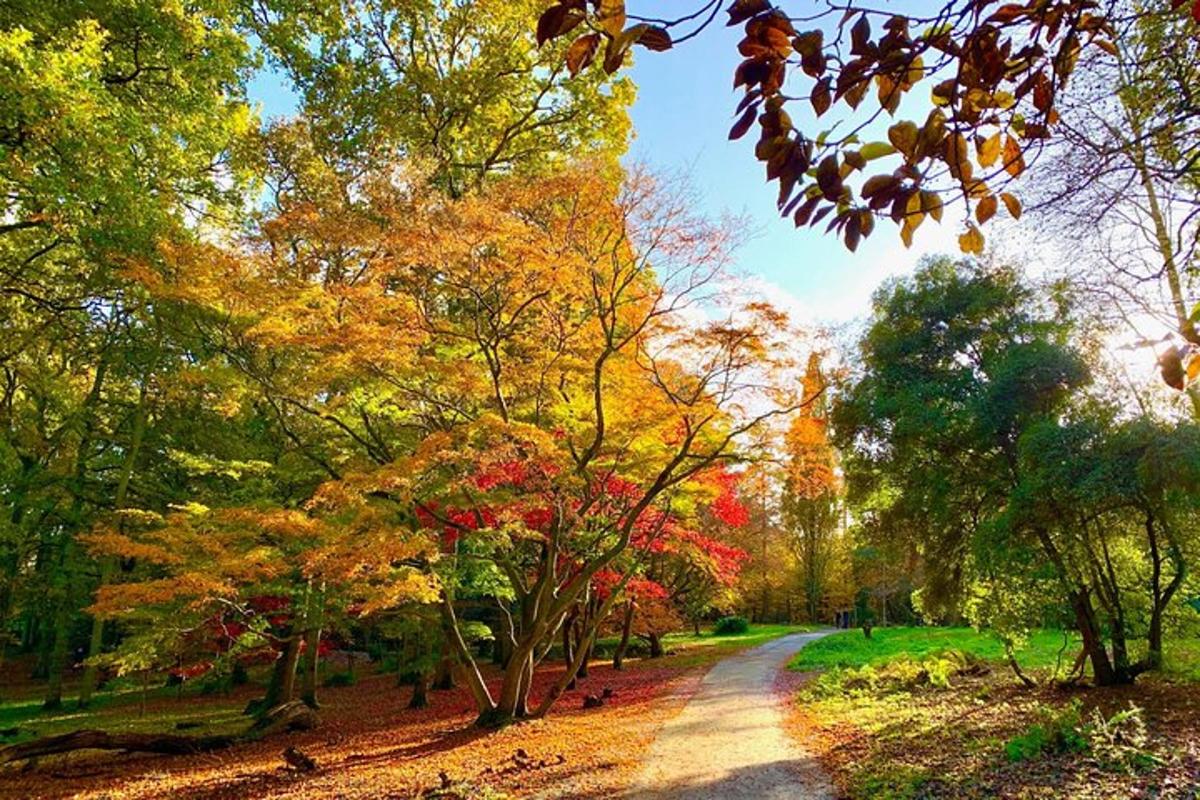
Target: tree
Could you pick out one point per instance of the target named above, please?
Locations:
(995, 77)
(1121, 186)
(501, 375)
(810, 502)
(118, 127)
(965, 383)
(458, 83)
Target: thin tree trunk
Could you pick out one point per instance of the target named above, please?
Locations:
(108, 565)
(420, 695)
(626, 631)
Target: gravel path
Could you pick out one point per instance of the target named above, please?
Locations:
(728, 743)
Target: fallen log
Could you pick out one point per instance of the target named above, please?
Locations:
(287, 717)
(166, 743)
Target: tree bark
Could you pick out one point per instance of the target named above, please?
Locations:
(420, 695)
(283, 677)
(626, 631)
(444, 677)
(108, 565)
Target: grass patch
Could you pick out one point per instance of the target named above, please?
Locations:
(690, 649)
(851, 649)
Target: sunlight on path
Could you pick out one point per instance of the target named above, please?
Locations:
(729, 742)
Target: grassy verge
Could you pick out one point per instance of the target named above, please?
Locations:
(690, 649)
(852, 649)
(936, 712)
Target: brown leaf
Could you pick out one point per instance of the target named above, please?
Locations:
(581, 52)
(821, 97)
(985, 209)
(655, 38)
(903, 136)
(829, 178)
(742, 10)
(743, 123)
(1014, 164)
(1012, 204)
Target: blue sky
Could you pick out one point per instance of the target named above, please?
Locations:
(682, 117)
(681, 120)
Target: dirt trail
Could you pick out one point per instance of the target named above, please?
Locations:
(728, 743)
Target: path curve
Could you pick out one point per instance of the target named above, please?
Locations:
(728, 742)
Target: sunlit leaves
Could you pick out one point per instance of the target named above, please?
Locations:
(992, 79)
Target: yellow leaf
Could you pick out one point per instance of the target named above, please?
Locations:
(971, 241)
(989, 150)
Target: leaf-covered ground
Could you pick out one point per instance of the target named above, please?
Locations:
(893, 742)
(371, 746)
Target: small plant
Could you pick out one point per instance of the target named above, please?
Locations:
(340, 679)
(731, 626)
(1058, 730)
(1119, 742)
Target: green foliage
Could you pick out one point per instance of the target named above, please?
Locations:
(898, 782)
(900, 673)
(340, 679)
(1120, 742)
(731, 626)
(462, 84)
(1057, 731)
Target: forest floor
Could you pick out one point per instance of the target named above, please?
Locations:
(908, 715)
(370, 745)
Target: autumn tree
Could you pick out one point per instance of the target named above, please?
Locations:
(810, 502)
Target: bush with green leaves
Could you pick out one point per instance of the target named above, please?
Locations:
(731, 626)
(340, 679)
(1058, 730)
(1120, 743)
(903, 673)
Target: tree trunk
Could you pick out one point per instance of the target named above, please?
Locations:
(283, 676)
(568, 651)
(626, 631)
(108, 565)
(444, 677)
(103, 740)
(1085, 618)
(60, 646)
(420, 696)
(311, 666)
(656, 648)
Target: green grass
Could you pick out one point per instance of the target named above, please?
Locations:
(851, 649)
(690, 649)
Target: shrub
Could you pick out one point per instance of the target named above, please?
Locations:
(731, 626)
(903, 673)
(340, 679)
(1058, 730)
(1119, 742)
(896, 782)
